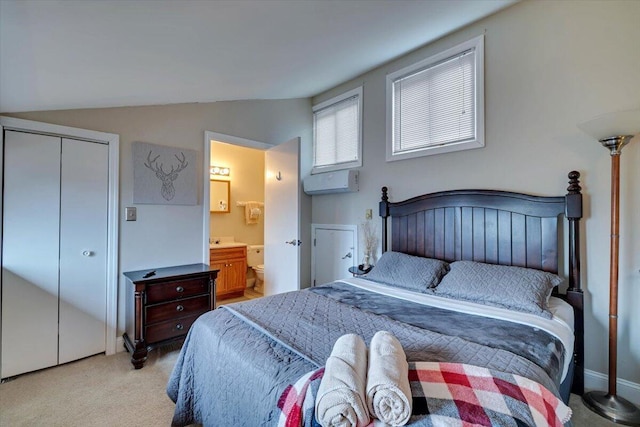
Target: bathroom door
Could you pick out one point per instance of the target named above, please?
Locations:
(282, 218)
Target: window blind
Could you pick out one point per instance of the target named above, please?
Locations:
(436, 105)
(337, 133)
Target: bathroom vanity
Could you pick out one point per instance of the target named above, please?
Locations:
(231, 261)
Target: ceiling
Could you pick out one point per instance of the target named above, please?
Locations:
(68, 54)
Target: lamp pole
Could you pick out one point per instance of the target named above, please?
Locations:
(609, 404)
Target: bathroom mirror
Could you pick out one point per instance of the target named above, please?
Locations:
(219, 196)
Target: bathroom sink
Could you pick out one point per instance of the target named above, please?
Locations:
(226, 245)
(224, 242)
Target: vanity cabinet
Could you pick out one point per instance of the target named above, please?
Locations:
(232, 265)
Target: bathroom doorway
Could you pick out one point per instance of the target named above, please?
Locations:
(236, 227)
(235, 153)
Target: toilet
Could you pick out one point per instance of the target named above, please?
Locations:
(255, 260)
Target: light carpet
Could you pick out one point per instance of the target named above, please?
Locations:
(96, 391)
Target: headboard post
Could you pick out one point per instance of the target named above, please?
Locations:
(575, 296)
(384, 213)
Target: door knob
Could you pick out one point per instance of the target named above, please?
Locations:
(347, 256)
(294, 242)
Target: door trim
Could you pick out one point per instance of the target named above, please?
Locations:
(344, 227)
(113, 141)
(206, 161)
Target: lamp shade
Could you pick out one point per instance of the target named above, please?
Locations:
(621, 123)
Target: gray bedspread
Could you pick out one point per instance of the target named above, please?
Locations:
(237, 360)
(527, 341)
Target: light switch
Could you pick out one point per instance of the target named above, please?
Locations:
(131, 213)
(368, 214)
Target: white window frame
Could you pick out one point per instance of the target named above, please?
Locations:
(345, 165)
(478, 141)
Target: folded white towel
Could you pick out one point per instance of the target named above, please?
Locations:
(388, 389)
(341, 396)
(252, 212)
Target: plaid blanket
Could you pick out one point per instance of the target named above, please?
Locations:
(297, 402)
(448, 394)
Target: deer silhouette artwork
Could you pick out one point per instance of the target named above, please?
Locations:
(167, 178)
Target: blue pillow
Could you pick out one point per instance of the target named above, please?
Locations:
(409, 272)
(515, 288)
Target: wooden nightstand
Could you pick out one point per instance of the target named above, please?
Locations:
(163, 303)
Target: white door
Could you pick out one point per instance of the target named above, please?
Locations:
(281, 218)
(30, 252)
(334, 251)
(83, 249)
(53, 251)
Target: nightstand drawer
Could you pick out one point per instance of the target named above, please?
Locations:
(177, 289)
(179, 308)
(170, 329)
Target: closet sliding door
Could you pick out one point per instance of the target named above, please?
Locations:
(30, 252)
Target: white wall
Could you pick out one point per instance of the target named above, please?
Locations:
(247, 184)
(167, 235)
(548, 66)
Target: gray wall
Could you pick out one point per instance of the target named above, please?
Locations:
(167, 235)
(548, 66)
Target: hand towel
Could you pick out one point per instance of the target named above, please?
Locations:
(388, 389)
(252, 212)
(341, 397)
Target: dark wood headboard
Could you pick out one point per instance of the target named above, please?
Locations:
(496, 227)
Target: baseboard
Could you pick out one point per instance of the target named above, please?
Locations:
(596, 381)
(120, 344)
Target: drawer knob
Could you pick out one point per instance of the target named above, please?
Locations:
(179, 326)
(179, 308)
(179, 289)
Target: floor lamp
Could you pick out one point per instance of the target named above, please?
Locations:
(614, 131)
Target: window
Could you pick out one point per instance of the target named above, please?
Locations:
(337, 140)
(437, 105)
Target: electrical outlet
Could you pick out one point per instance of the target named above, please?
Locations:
(368, 214)
(131, 214)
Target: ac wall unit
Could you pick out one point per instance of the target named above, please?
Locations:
(342, 181)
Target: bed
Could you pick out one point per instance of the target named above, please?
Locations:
(237, 360)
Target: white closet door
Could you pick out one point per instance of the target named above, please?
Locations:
(334, 252)
(83, 249)
(30, 252)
